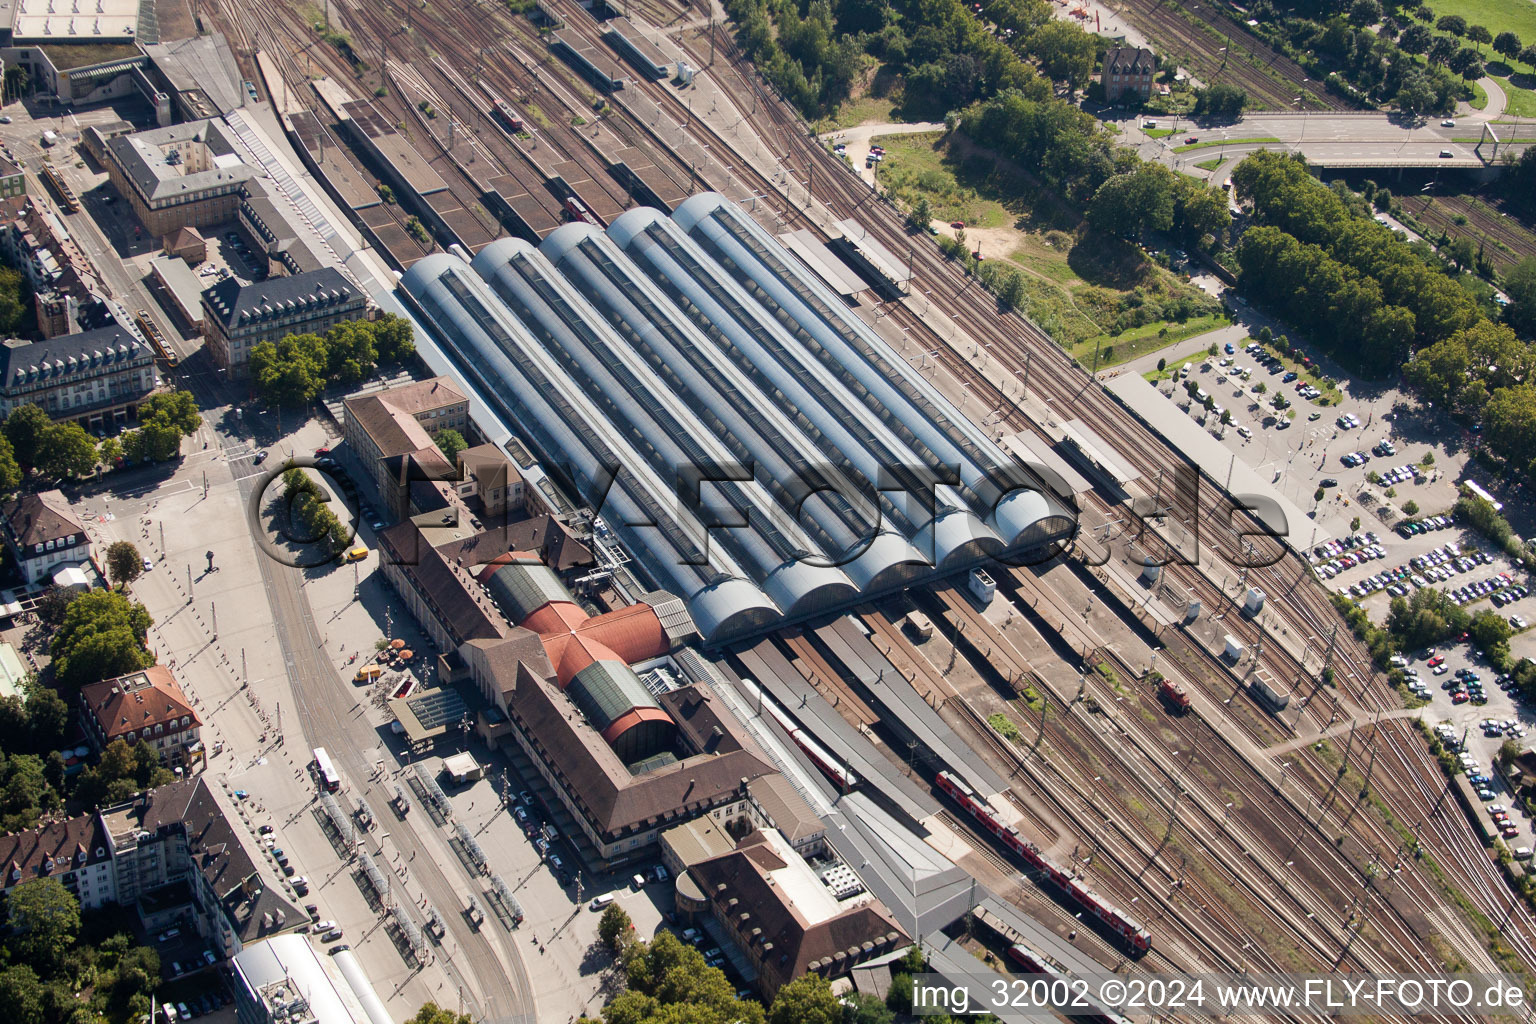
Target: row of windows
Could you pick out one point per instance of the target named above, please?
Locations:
(79, 380)
(66, 542)
(192, 197)
(132, 737)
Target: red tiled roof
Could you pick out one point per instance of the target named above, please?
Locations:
(137, 701)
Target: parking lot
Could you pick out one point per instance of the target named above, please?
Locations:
(1475, 726)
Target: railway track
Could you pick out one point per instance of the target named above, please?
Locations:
(784, 125)
(1215, 47)
(1276, 814)
(1213, 835)
(1514, 242)
(1054, 374)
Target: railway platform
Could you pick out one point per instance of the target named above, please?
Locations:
(901, 707)
(779, 679)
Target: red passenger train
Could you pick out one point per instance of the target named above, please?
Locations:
(1112, 917)
(508, 116)
(829, 766)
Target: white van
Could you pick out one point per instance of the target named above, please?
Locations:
(1522, 853)
(601, 902)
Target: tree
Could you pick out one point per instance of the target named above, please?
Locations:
(1066, 53)
(1228, 101)
(124, 563)
(1489, 629)
(1509, 422)
(1520, 286)
(450, 442)
(1139, 200)
(1466, 63)
(20, 992)
(1364, 12)
(1441, 49)
(1462, 250)
(25, 429)
(16, 315)
(51, 606)
(154, 441)
(863, 1008)
(108, 451)
(66, 450)
(1425, 617)
(350, 351)
(1479, 35)
(1455, 24)
(47, 717)
(1415, 38)
(1011, 289)
(178, 408)
(122, 771)
(431, 1013)
(392, 338)
(921, 214)
(1318, 495)
(1200, 211)
(44, 920)
(1528, 55)
(101, 636)
(10, 471)
(1410, 507)
(806, 1000)
(1416, 96)
(1508, 44)
(290, 372)
(615, 927)
(1354, 525)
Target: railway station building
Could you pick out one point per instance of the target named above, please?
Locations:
(668, 344)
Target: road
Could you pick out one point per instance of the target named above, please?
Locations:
(1333, 140)
(351, 739)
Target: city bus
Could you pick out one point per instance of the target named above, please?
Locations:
(326, 771)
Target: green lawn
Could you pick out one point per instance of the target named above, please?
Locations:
(1140, 341)
(1479, 100)
(1158, 133)
(1517, 16)
(1522, 102)
(912, 165)
(1213, 143)
(1211, 164)
(864, 110)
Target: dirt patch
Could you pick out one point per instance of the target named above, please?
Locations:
(994, 243)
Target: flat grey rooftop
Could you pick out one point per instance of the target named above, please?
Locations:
(902, 708)
(1215, 459)
(815, 255)
(799, 699)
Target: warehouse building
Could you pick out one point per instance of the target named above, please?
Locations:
(673, 343)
